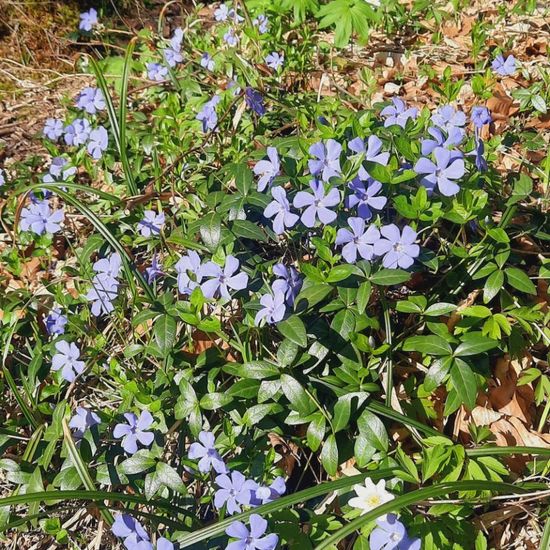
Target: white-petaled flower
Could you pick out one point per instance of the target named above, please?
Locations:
(370, 496)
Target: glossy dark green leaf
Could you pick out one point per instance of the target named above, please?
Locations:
(294, 329)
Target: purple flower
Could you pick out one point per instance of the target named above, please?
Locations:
(208, 115)
(327, 161)
(134, 535)
(53, 129)
(2, 177)
(88, 20)
(156, 72)
(55, 322)
(78, 132)
(206, 452)
(221, 13)
(83, 420)
(151, 224)
(255, 101)
(262, 23)
(358, 240)
(275, 60)
(164, 544)
(391, 535)
(280, 208)
(289, 282)
(234, 491)
(477, 153)
(134, 431)
(207, 62)
(66, 360)
(99, 141)
(504, 67)
(273, 303)
(229, 37)
(398, 113)
(263, 494)
(455, 137)
(397, 248)
(189, 272)
(110, 266)
(267, 169)
(447, 167)
(253, 539)
(480, 116)
(57, 171)
(90, 100)
(39, 219)
(232, 85)
(104, 290)
(223, 279)
(154, 270)
(372, 153)
(172, 54)
(447, 117)
(317, 204)
(365, 197)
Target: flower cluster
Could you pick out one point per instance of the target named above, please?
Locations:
(105, 284)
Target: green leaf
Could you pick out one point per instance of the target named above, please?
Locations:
(373, 429)
(256, 370)
(437, 372)
(464, 382)
(248, 230)
(329, 455)
(428, 345)
(520, 280)
(312, 295)
(473, 343)
(164, 332)
(137, 463)
(341, 414)
(342, 272)
(442, 308)
(363, 296)
(169, 477)
(211, 230)
(294, 329)
(493, 285)
(215, 400)
(316, 431)
(387, 277)
(297, 396)
(344, 323)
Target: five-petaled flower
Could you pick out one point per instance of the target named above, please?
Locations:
(447, 117)
(67, 360)
(189, 272)
(207, 62)
(156, 72)
(267, 169)
(154, 270)
(397, 248)
(151, 224)
(317, 204)
(90, 100)
(99, 141)
(372, 150)
(40, 219)
(275, 60)
(289, 282)
(222, 279)
(370, 495)
(504, 67)
(255, 101)
(88, 20)
(262, 22)
(274, 306)
(264, 494)
(208, 115)
(454, 137)
(390, 534)
(53, 129)
(448, 166)
(252, 539)
(83, 420)
(77, 132)
(234, 491)
(480, 116)
(55, 322)
(230, 38)
(358, 241)
(280, 208)
(135, 431)
(398, 114)
(134, 535)
(365, 197)
(327, 159)
(207, 454)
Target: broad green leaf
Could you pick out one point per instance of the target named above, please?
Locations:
(297, 396)
(137, 463)
(520, 280)
(387, 277)
(373, 429)
(329, 455)
(428, 345)
(493, 285)
(464, 382)
(294, 329)
(164, 332)
(474, 343)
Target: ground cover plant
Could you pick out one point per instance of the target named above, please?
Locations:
(259, 294)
